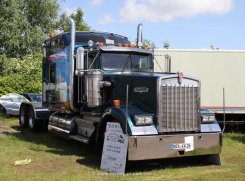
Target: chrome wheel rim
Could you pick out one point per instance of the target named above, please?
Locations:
(30, 122)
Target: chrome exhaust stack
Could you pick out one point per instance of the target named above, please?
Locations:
(72, 48)
(139, 35)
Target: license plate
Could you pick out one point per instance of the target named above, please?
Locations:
(180, 146)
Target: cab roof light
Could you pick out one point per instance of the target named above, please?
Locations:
(116, 102)
(132, 45)
(101, 44)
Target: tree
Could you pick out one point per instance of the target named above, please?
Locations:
(24, 24)
(213, 47)
(81, 25)
(166, 44)
(21, 75)
(149, 43)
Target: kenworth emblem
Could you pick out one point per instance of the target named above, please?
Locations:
(180, 77)
(141, 89)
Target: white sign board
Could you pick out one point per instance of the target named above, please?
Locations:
(114, 149)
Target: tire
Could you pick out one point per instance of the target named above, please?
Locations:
(35, 125)
(101, 136)
(4, 112)
(23, 118)
(45, 125)
(211, 159)
(100, 139)
(214, 159)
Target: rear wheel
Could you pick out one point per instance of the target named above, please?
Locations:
(23, 117)
(34, 124)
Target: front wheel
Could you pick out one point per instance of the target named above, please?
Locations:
(100, 138)
(101, 135)
(213, 159)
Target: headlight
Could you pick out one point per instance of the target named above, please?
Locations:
(208, 118)
(143, 120)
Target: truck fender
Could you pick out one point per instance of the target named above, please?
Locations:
(24, 106)
(112, 114)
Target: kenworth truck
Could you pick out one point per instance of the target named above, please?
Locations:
(92, 78)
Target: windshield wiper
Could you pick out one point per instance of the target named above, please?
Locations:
(126, 63)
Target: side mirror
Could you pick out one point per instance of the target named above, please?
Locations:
(80, 61)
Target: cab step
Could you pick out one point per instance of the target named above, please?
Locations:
(66, 134)
(80, 138)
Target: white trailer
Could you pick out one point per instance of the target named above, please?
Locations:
(217, 69)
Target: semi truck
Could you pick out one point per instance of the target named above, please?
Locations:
(92, 78)
(218, 70)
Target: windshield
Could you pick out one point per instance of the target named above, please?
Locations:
(126, 61)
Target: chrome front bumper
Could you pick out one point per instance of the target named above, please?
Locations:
(161, 146)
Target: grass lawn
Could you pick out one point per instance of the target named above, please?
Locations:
(56, 158)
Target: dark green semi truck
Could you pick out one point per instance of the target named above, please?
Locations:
(91, 78)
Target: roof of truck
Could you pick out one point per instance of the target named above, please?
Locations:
(85, 36)
(125, 49)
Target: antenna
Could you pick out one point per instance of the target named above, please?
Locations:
(223, 110)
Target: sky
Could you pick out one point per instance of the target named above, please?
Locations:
(185, 24)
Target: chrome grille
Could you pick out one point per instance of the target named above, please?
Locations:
(178, 108)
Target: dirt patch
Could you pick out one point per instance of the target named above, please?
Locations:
(6, 129)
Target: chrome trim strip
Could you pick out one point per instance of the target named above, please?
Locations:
(55, 128)
(72, 48)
